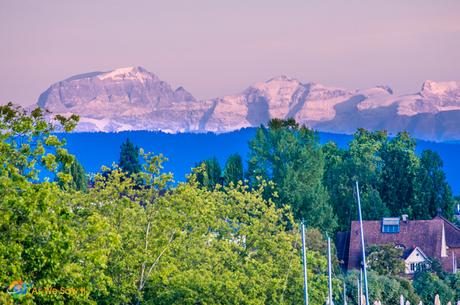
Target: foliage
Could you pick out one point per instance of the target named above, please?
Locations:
(129, 158)
(427, 285)
(289, 155)
(238, 252)
(386, 289)
(393, 179)
(398, 185)
(385, 259)
(127, 243)
(77, 174)
(434, 192)
(198, 242)
(209, 174)
(362, 163)
(233, 170)
(26, 142)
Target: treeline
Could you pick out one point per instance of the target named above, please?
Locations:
(128, 235)
(317, 181)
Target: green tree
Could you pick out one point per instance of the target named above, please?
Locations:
(434, 191)
(40, 241)
(393, 179)
(233, 170)
(385, 259)
(427, 285)
(210, 173)
(238, 251)
(453, 280)
(398, 181)
(79, 180)
(290, 156)
(383, 288)
(360, 162)
(129, 158)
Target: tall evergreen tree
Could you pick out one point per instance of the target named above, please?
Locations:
(233, 171)
(398, 180)
(393, 179)
(362, 163)
(433, 189)
(290, 156)
(79, 180)
(211, 174)
(129, 158)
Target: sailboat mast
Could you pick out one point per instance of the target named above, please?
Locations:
(363, 247)
(304, 259)
(329, 270)
(359, 290)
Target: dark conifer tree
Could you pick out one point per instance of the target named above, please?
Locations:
(129, 158)
(233, 171)
(212, 174)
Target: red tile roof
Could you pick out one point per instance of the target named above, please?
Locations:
(425, 234)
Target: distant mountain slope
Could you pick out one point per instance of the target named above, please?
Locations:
(184, 150)
(124, 99)
(135, 99)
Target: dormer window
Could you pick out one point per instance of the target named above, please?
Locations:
(390, 225)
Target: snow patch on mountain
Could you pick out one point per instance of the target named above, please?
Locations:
(131, 73)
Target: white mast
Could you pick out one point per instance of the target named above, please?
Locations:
(359, 290)
(363, 247)
(329, 270)
(304, 259)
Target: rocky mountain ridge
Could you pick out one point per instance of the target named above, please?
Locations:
(135, 99)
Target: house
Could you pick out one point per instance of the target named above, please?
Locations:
(422, 241)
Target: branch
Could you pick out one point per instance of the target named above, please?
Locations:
(142, 282)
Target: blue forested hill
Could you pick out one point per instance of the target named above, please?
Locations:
(184, 150)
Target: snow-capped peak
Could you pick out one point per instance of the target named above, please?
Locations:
(135, 73)
(132, 98)
(440, 88)
(280, 85)
(282, 78)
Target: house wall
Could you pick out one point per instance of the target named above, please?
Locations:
(414, 258)
(425, 234)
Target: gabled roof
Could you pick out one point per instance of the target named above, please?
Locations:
(425, 234)
(452, 233)
(413, 251)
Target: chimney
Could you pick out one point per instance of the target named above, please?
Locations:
(404, 217)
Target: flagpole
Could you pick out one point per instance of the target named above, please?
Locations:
(329, 270)
(363, 248)
(360, 286)
(304, 259)
(359, 291)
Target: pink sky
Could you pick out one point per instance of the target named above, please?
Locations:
(214, 48)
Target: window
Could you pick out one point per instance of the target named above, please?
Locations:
(418, 266)
(390, 229)
(390, 225)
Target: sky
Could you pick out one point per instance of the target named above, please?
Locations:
(220, 47)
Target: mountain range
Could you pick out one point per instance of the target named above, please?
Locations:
(135, 99)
